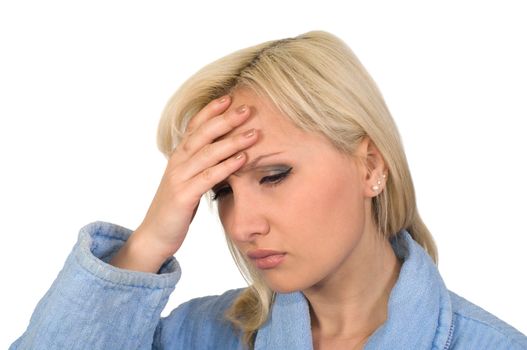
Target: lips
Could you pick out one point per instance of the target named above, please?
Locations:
(266, 259)
(262, 253)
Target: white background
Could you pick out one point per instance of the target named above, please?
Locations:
(82, 86)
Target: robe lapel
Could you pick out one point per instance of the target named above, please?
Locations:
(419, 310)
(289, 326)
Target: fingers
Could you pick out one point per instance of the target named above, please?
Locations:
(201, 160)
(209, 177)
(212, 154)
(212, 109)
(211, 130)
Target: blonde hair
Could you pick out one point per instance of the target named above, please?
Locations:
(320, 85)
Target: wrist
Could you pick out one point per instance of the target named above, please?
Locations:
(139, 254)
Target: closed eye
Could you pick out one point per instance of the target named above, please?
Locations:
(272, 180)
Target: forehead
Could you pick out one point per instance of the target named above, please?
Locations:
(264, 116)
(276, 132)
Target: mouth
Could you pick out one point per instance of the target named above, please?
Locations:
(266, 259)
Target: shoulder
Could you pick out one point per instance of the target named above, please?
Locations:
(200, 323)
(209, 308)
(479, 329)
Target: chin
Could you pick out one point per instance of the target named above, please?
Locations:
(286, 285)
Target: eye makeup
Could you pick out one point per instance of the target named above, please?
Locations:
(270, 180)
(276, 178)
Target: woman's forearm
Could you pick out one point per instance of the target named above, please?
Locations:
(139, 254)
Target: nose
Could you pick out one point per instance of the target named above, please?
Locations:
(246, 219)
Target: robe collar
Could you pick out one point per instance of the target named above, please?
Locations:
(419, 309)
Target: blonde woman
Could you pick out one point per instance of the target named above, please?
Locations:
(293, 142)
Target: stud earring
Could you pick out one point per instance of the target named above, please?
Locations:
(377, 187)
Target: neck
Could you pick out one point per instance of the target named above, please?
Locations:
(353, 302)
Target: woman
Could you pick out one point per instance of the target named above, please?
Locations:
(293, 141)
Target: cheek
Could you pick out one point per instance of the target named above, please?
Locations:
(330, 194)
(323, 224)
(330, 214)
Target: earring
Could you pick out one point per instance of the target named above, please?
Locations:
(376, 187)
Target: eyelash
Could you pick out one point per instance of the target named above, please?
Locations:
(272, 181)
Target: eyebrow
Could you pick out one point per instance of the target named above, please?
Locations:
(252, 164)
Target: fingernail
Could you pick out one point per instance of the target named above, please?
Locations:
(249, 133)
(223, 99)
(241, 109)
(239, 156)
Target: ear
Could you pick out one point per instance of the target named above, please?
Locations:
(374, 172)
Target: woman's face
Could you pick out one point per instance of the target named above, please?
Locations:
(303, 199)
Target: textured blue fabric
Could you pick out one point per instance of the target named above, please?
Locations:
(93, 305)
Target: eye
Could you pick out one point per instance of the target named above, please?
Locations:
(275, 179)
(272, 180)
(221, 192)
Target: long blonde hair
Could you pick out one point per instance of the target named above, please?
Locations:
(320, 85)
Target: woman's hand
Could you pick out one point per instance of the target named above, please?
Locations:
(195, 166)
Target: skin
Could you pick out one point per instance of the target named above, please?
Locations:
(319, 215)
